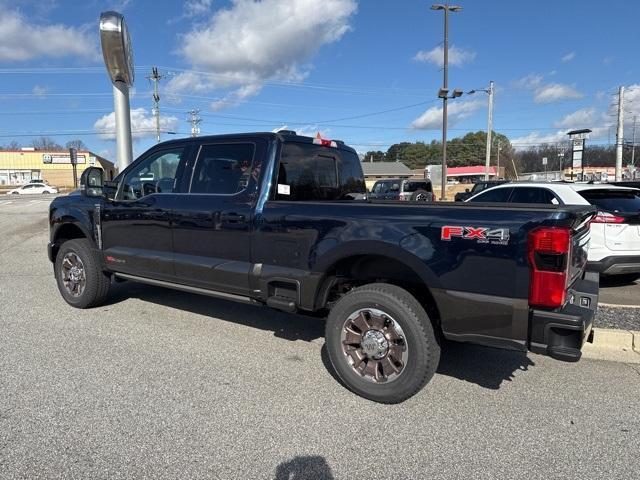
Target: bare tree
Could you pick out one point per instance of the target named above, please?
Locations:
(46, 143)
(77, 144)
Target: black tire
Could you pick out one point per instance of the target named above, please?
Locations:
(423, 349)
(96, 284)
(420, 196)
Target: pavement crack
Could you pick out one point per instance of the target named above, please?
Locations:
(635, 369)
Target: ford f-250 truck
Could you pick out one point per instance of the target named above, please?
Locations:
(280, 220)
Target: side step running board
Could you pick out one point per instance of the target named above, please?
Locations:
(187, 288)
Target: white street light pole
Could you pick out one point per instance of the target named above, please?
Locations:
(445, 89)
(487, 161)
(620, 134)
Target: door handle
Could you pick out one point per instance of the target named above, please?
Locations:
(232, 218)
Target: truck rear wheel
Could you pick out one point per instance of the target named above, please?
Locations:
(381, 343)
(79, 275)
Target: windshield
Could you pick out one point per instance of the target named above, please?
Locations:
(627, 201)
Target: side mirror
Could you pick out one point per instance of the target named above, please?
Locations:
(91, 182)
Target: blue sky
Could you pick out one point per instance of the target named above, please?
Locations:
(330, 66)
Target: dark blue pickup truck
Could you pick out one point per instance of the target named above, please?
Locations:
(278, 219)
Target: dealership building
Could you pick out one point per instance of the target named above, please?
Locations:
(19, 166)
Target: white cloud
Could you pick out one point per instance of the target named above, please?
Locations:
(583, 118)
(142, 124)
(552, 92)
(457, 56)
(531, 81)
(456, 111)
(537, 138)
(243, 46)
(560, 136)
(547, 92)
(193, 8)
(39, 90)
(22, 40)
(568, 57)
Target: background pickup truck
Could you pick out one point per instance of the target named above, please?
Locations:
(271, 219)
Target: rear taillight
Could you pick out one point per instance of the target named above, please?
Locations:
(605, 217)
(549, 252)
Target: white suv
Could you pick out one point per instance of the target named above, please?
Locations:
(615, 231)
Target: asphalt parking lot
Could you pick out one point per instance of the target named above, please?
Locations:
(163, 384)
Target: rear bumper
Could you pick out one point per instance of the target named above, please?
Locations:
(616, 265)
(561, 333)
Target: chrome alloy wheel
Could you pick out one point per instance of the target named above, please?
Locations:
(74, 278)
(374, 345)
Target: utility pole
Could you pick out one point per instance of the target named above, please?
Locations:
(498, 161)
(194, 120)
(155, 77)
(489, 129)
(633, 142)
(620, 134)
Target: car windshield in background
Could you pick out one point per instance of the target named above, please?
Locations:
(627, 201)
(413, 186)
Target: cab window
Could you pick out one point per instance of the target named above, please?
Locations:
(223, 169)
(155, 174)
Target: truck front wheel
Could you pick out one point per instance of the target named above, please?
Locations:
(79, 275)
(381, 343)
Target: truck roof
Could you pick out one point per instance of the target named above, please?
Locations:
(283, 136)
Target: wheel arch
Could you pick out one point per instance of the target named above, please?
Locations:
(378, 262)
(68, 230)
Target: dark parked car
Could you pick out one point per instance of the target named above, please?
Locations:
(268, 219)
(404, 190)
(477, 188)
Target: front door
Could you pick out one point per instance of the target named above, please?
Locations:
(136, 228)
(212, 228)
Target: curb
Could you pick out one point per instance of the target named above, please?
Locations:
(616, 305)
(613, 345)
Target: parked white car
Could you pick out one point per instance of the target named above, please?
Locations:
(32, 189)
(615, 232)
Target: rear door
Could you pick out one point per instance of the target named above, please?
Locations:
(212, 222)
(620, 214)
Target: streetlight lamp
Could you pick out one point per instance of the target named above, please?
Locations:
(446, 9)
(489, 91)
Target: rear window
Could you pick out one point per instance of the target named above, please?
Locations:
(493, 195)
(411, 187)
(627, 201)
(533, 195)
(310, 172)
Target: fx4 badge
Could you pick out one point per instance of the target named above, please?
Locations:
(495, 236)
